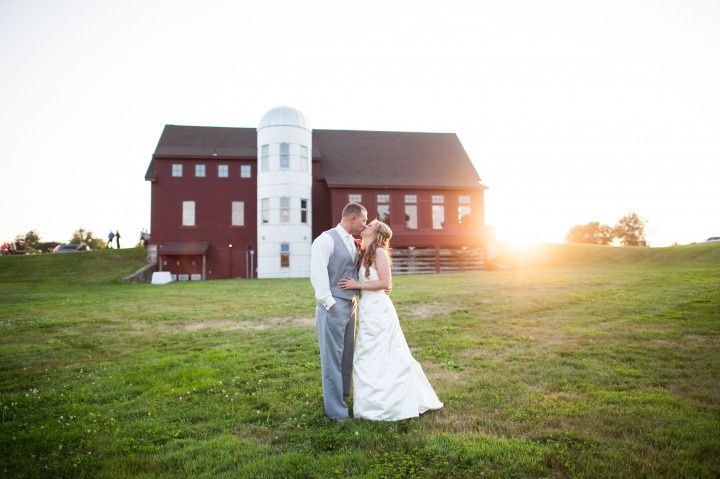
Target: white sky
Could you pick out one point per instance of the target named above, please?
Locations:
(571, 111)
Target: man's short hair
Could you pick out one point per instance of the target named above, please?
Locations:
(353, 209)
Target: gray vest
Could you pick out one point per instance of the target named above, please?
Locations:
(340, 265)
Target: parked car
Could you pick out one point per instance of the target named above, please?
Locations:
(26, 250)
(69, 248)
(18, 247)
(712, 239)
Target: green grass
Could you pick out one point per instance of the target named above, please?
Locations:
(577, 362)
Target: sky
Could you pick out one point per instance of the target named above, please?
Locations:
(571, 111)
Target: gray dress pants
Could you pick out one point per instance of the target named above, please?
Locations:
(336, 338)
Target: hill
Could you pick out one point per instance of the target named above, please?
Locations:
(82, 267)
(582, 255)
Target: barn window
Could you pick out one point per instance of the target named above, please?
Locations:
(303, 158)
(464, 214)
(245, 171)
(177, 169)
(222, 171)
(284, 209)
(303, 211)
(411, 217)
(284, 156)
(354, 198)
(438, 212)
(265, 210)
(284, 255)
(200, 171)
(265, 157)
(383, 208)
(238, 213)
(464, 210)
(188, 213)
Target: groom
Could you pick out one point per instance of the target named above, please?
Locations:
(334, 256)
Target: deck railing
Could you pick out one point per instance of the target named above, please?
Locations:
(436, 260)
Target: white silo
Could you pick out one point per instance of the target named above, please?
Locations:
(284, 194)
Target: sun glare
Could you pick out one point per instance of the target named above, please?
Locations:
(522, 244)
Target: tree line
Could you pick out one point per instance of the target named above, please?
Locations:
(629, 231)
(32, 240)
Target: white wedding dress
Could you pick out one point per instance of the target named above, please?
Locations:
(388, 384)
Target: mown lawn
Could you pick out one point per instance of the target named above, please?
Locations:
(588, 362)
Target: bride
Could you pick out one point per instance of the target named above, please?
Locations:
(388, 383)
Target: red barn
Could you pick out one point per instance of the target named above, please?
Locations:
(204, 211)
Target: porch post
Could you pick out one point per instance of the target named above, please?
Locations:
(203, 273)
(160, 263)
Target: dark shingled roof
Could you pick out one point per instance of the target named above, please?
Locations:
(347, 158)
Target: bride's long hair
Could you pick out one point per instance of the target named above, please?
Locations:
(381, 239)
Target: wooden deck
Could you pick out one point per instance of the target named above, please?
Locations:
(436, 260)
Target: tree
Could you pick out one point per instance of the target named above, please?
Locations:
(591, 233)
(30, 239)
(631, 230)
(82, 236)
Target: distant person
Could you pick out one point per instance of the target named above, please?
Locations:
(5, 248)
(117, 239)
(145, 238)
(111, 236)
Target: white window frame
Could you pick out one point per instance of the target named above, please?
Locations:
(200, 170)
(284, 156)
(223, 171)
(237, 215)
(438, 199)
(177, 170)
(245, 171)
(381, 214)
(411, 199)
(265, 211)
(439, 221)
(303, 158)
(462, 211)
(265, 158)
(285, 207)
(188, 213)
(464, 199)
(412, 225)
(285, 246)
(304, 210)
(354, 198)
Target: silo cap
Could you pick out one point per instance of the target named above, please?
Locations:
(284, 116)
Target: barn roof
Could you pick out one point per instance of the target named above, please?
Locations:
(183, 247)
(347, 158)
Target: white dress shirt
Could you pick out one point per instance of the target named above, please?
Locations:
(322, 248)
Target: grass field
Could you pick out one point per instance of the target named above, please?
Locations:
(576, 362)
